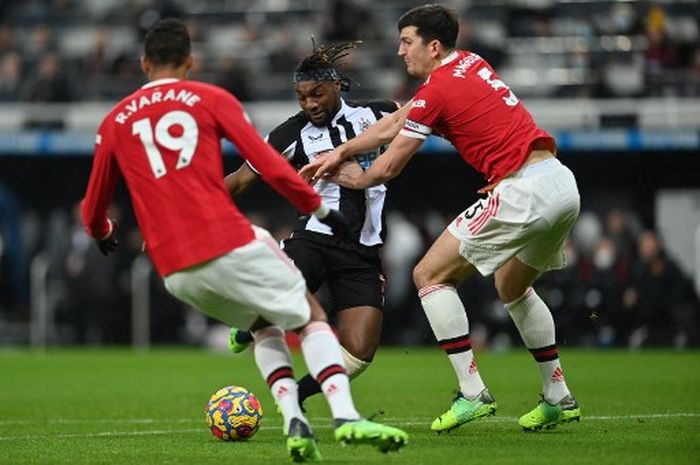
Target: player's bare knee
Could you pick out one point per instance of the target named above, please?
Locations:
(362, 349)
(509, 291)
(421, 276)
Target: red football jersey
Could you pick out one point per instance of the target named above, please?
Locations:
(466, 102)
(165, 140)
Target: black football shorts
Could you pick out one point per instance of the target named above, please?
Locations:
(352, 272)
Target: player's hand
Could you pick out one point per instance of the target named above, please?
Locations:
(108, 243)
(338, 224)
(325, 165)
(336, 220)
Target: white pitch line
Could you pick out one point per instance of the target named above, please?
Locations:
(498, 418)
(393, 421)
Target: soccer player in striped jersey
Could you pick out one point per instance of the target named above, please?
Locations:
(165, 140)
(516, 233)
(351, 267)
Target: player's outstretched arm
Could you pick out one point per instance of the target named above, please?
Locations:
(100, 190)
(335, 220)
(240, 180)
(274, 169)
(378, 134)
(385, 167)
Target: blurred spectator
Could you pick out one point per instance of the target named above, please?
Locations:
(656, 294)
(662, 53)
(407, 89)
(10, 77)
(622, 227)
(89, 293)
(50, 83)
(623, 19)
(284, 54)
(466, 40)
(6, 39)
(691, 87)
(351, 21)
(154, 11)
(235, 79)
(41, 42)
(609, 276)
(528, 22)
(13, 278)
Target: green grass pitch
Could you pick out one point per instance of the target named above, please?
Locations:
(114, 406)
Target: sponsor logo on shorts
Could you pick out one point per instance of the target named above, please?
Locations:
(476, 224)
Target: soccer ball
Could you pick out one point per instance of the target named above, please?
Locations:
(233, 413)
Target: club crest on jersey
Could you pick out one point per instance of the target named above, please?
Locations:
(315, 138)
(363, 124)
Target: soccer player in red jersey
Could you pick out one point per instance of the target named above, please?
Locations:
(165, 140)
(516, 233)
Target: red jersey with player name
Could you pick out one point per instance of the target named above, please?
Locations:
(466, 102)
(165, 140)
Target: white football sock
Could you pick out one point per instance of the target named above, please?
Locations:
(275, 364)
(325, 363)
(536, 326)
(447, 317)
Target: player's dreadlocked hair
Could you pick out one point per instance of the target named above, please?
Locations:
(322, 64)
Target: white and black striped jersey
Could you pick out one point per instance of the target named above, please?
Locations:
(300, 141)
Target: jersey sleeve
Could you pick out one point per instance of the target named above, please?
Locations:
(426, 108)
(284, 137)
(103, 180)
(274, 170)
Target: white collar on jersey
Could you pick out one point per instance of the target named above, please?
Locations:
(452, 56)
(159, 82)
(341, 111)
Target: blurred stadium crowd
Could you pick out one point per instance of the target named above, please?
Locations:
(75, 50)
(620, 289)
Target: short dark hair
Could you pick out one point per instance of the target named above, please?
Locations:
(432, 22)
(167, 42)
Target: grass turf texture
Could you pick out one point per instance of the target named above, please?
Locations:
(114, 407)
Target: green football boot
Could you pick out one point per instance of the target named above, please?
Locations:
(547, 415)
(239, 340)
(464, 410)
(384, 438)
(301, 443)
